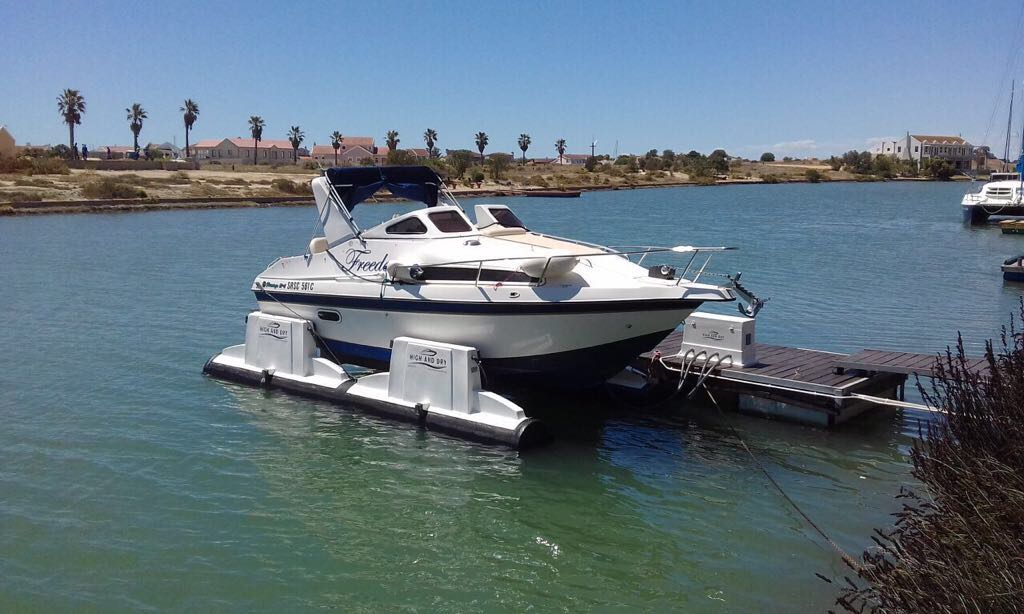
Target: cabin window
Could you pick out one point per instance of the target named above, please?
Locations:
(449, 221)
(506, 218)
(408, 226)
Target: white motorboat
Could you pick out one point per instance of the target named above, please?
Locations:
(540, 309)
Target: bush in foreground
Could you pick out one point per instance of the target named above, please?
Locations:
(959, 546)
(290, 187)
(33, 166)
(110, 187)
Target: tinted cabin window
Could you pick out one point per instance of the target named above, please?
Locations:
(409, 226)
(506, 218)
(449, 221)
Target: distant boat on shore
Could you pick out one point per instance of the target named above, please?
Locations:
(553, 193)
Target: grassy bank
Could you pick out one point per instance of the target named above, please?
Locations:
(62, 191)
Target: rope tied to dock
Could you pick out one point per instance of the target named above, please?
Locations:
(849, 560)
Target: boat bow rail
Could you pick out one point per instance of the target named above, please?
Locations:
(545, 262)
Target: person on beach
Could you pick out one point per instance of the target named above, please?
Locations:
(85, 152)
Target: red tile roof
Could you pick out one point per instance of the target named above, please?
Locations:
(941, 140)
(245, 141)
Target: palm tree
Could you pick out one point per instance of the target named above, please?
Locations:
(71, 105)
(392, 140)
(256, 126)
(191, 111)
(295, 136)
(135, 116)
(430, 137)
(336, 144)
(481, 144)
(524, 144)
(560, 148)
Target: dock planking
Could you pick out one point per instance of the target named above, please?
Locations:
(796, 368)
(905, 363)
(797, 384)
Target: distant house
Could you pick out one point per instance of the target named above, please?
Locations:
(168, 150)
(324, 154)
(570, 159)
(111, 152)
(242, 150)
(921, 147)
(7, 149)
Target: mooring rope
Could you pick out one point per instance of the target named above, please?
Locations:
(849, 560)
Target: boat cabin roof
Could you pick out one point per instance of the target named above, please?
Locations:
(442, 221)
(1002, 185)
(446, 221)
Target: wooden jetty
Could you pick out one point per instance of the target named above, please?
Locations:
(1012, 227)
(802, 385)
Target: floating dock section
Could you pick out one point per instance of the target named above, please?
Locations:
(801, 385)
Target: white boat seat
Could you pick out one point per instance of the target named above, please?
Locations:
(318, 245)
(497, 230)
(530, 238)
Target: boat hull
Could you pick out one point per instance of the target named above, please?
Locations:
(1013, 273)
(565, 345)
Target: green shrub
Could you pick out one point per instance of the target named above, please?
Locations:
(290, 187)
(110, 187)
(956, 545)
(18, 197)
(35, 183)
(539, 181)
(770, 179)
(33, 166)
(478, 175)
(49, 166)
(704, 180)
(813, 175)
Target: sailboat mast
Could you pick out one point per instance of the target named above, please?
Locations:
(1009, 124)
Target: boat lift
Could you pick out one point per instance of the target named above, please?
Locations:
(436, 385)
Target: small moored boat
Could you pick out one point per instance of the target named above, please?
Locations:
(1013, 268)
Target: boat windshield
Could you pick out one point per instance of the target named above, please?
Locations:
(506, 218)
(449, 221)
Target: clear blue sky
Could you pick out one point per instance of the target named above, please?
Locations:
(796, 78)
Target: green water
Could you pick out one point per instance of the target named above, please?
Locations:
(128, 481)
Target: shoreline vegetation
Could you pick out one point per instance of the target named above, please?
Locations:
(955, 545)
(43, 184)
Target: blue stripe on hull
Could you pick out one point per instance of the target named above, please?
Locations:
(487, 308)
(580, 368)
